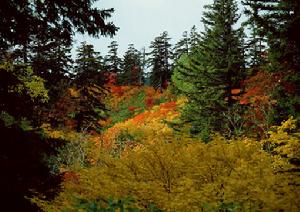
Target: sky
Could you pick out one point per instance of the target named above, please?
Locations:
(140, 21)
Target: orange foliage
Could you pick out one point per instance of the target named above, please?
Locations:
(149, 120)
(70, 176)
(257, 95)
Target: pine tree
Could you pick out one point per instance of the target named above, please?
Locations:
(208, 75)
(89, 80)
(21, 21)
(159, 60)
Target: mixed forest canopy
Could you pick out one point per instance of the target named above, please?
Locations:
(210, 123)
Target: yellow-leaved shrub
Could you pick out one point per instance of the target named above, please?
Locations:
(181, 174)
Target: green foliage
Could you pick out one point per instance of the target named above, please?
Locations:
(208, 75)
(136, 102)
(7, 119)
(89, 66)
(27, 83)
(159, 61)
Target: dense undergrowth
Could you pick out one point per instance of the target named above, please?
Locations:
(139, 163)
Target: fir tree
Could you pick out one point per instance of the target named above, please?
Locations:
(182, 46)
(279, 21)
(159, 60)
(131, 67)
(194, 38)
(208, 75)
(112, 59)
(256, 47)
(88, 66)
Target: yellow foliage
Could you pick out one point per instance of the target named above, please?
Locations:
(148, 124)
(284, 143)
(74, 92)
(183, 175)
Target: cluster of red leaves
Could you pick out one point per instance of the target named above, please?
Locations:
(149, 102)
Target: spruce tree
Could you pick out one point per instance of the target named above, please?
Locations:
(256, 47)
(159, 60)
(88, 66)
(279, 21)
(208, 75)
(182, 46)
(112, 59)
(131, 67)
(89, 80)
(194, 38)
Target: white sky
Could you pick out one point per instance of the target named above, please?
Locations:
(140, 21)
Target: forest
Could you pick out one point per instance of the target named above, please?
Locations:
(208, 123)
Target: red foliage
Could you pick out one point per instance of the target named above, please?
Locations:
(169, 105)
(117, 90)
(149, 102)
(132, 108)
(111, 78)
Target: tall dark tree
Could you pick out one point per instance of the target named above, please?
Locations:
(131, 67)
(159, 60)
(208, 75)
(52, 61)
(89, 66)
(182, 46)
(194, 36)
(256, 47)
(112, 60)
(21, 21)
(279, 22)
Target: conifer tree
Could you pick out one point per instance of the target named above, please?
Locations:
(112, 59)
(209, 74)
(279, 21)
(182, 46)
(159, 60)
(131, 67)
(194, 38)
(89, 80)
(256, 47)
(88, 65)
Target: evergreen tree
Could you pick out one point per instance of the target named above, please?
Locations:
(21, 21)
(159, 60)
(256, 47)
(88, 66)
(194, 38)
(112, 59)
(131, 67)
(182, 46)
(52, 61)
(208, 75)
(279, 21)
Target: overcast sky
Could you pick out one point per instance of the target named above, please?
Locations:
(140, 21)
